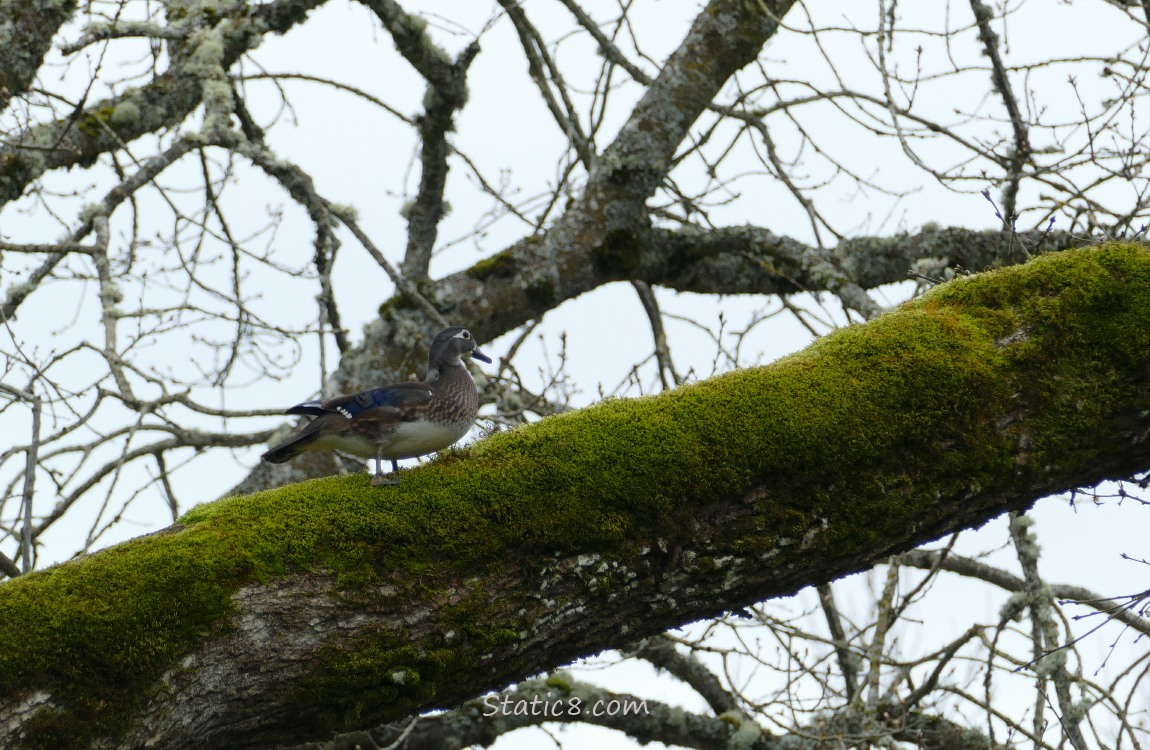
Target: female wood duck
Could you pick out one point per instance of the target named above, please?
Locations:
(397, 421)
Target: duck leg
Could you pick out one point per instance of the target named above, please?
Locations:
(379, 478)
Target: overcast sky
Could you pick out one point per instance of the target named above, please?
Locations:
(362, 157)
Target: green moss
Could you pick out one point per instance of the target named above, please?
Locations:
(358, 688)
(560, 681)
(15, 173)
(618, 254)
(397, 302)
(500, 266)
(541, 293)
(857, 437)
(116, 619)
(97, 123)
(1076, 326)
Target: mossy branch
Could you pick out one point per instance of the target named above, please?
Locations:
(330, 605)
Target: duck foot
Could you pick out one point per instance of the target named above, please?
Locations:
(379, 479)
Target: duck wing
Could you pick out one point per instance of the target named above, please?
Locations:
(398, 396)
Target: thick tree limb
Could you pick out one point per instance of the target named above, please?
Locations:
(330, 605)
(28, 29)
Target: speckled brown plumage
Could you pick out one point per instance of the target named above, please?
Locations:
(397, 421)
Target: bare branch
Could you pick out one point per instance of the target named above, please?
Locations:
(446, 95)
(1008, 582)
(848, 660)
(660, 651)
(1020, 152)
(655, 318)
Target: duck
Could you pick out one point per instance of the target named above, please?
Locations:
(397, 421)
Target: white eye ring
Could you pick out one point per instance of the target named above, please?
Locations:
(465, 334)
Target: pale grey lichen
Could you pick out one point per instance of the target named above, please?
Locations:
(93, 211)
(206, 62)
(344, 211)
(111, 295)
(218, 107)
(747, 733)
(1013, 607)
(206, 58)
(17, 292)
(1050, 664)
(125, 114)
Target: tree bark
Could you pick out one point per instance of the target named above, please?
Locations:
(330, 605)
(28, 29)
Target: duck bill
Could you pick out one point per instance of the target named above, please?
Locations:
(476, 354)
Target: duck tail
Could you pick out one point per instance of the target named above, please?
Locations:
(283, 453)
(295, 445)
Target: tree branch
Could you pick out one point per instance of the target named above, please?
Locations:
(105, 126)
(29, 29)
(446, 95)
(331, 605)
(1020, 152)
(661, 652)
(964, 566)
